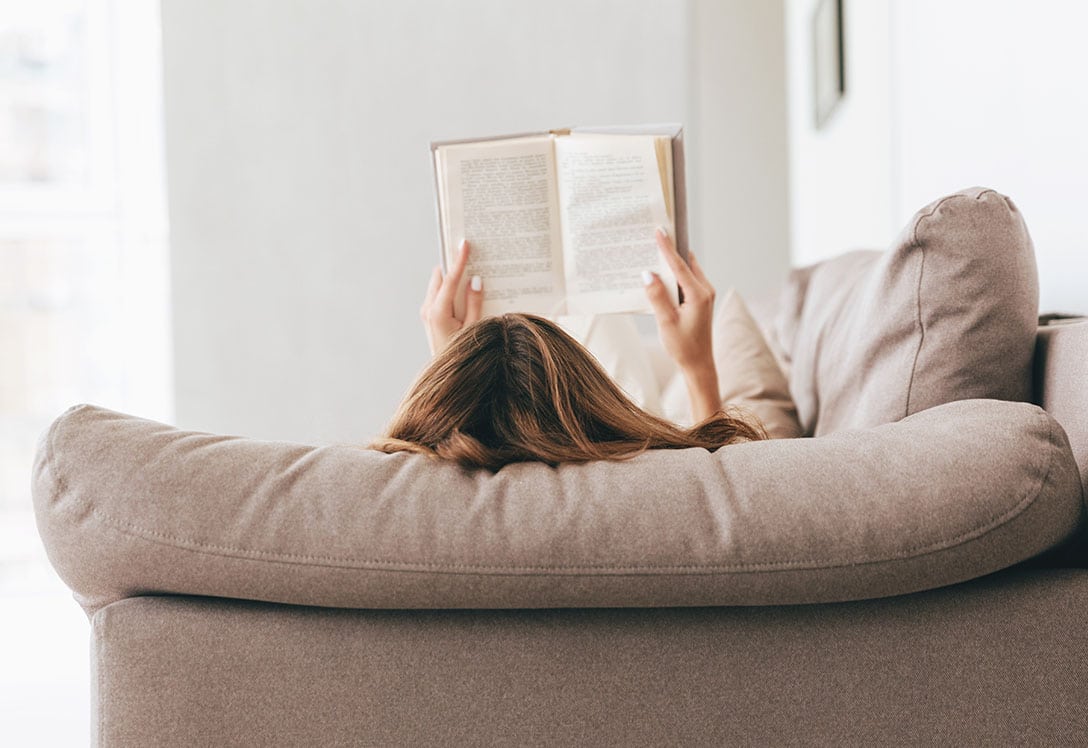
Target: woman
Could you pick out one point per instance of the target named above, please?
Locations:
(516, 387)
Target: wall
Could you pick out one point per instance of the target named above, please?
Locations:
(739, 175)
(997, 94)
(840, 175)
(940, 96)
(300, 190)
(300, 184)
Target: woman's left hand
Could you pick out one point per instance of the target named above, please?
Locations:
(687, 330)
(439, 318)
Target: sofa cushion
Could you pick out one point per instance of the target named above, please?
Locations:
(130, 507)
(948, 313)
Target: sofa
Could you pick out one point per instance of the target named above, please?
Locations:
(911, 571)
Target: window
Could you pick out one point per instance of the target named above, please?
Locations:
(84, 289)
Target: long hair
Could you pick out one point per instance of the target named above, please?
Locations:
(517, 388)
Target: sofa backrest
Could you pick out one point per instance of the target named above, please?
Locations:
(131, 507)
(1061, 381)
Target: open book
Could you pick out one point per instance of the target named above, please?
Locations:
(562, 222)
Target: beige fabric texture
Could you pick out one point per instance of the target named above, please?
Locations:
(749, 376)
(996, 661)
(128, 507)
(948, 313)
(1061, 382)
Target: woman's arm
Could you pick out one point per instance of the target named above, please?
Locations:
(439, 319)
(687, 330)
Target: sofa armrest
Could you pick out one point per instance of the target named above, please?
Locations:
(1061, 381)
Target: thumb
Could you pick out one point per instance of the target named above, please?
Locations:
(664, 310)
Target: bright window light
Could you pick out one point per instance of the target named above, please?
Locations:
(84, 300)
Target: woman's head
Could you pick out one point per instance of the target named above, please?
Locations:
(516, 388)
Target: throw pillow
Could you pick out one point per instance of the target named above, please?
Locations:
(948, 313)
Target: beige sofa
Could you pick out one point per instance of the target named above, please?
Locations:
(914, 574)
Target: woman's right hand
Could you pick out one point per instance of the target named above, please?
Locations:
(440, 321)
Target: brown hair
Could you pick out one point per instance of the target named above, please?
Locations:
(516, 388)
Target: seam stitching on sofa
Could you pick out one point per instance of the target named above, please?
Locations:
(921, 272)
(937, 207)
(300, 559)
(922, 332)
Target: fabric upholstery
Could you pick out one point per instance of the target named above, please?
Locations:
(1061, 382)
(948, 313)
(996, 661)
(749, 376)
(129, 507)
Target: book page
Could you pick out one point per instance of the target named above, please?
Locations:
(501, 196)
(612, 197)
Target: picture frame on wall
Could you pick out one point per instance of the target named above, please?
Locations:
(828, 64)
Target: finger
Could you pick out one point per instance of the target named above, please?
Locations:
(475, 302)
(432, 286)
(697, 270)
(679, 268)
(432, 289)
(662, 305)
(453, 278)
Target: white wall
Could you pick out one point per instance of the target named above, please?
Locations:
(300, 190)
(941, 95)
(840, 175)
(996, 94)
(738, 178)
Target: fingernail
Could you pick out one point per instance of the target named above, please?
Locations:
(463, 245)
(662, 232)
(476, 283)
(647, 277)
